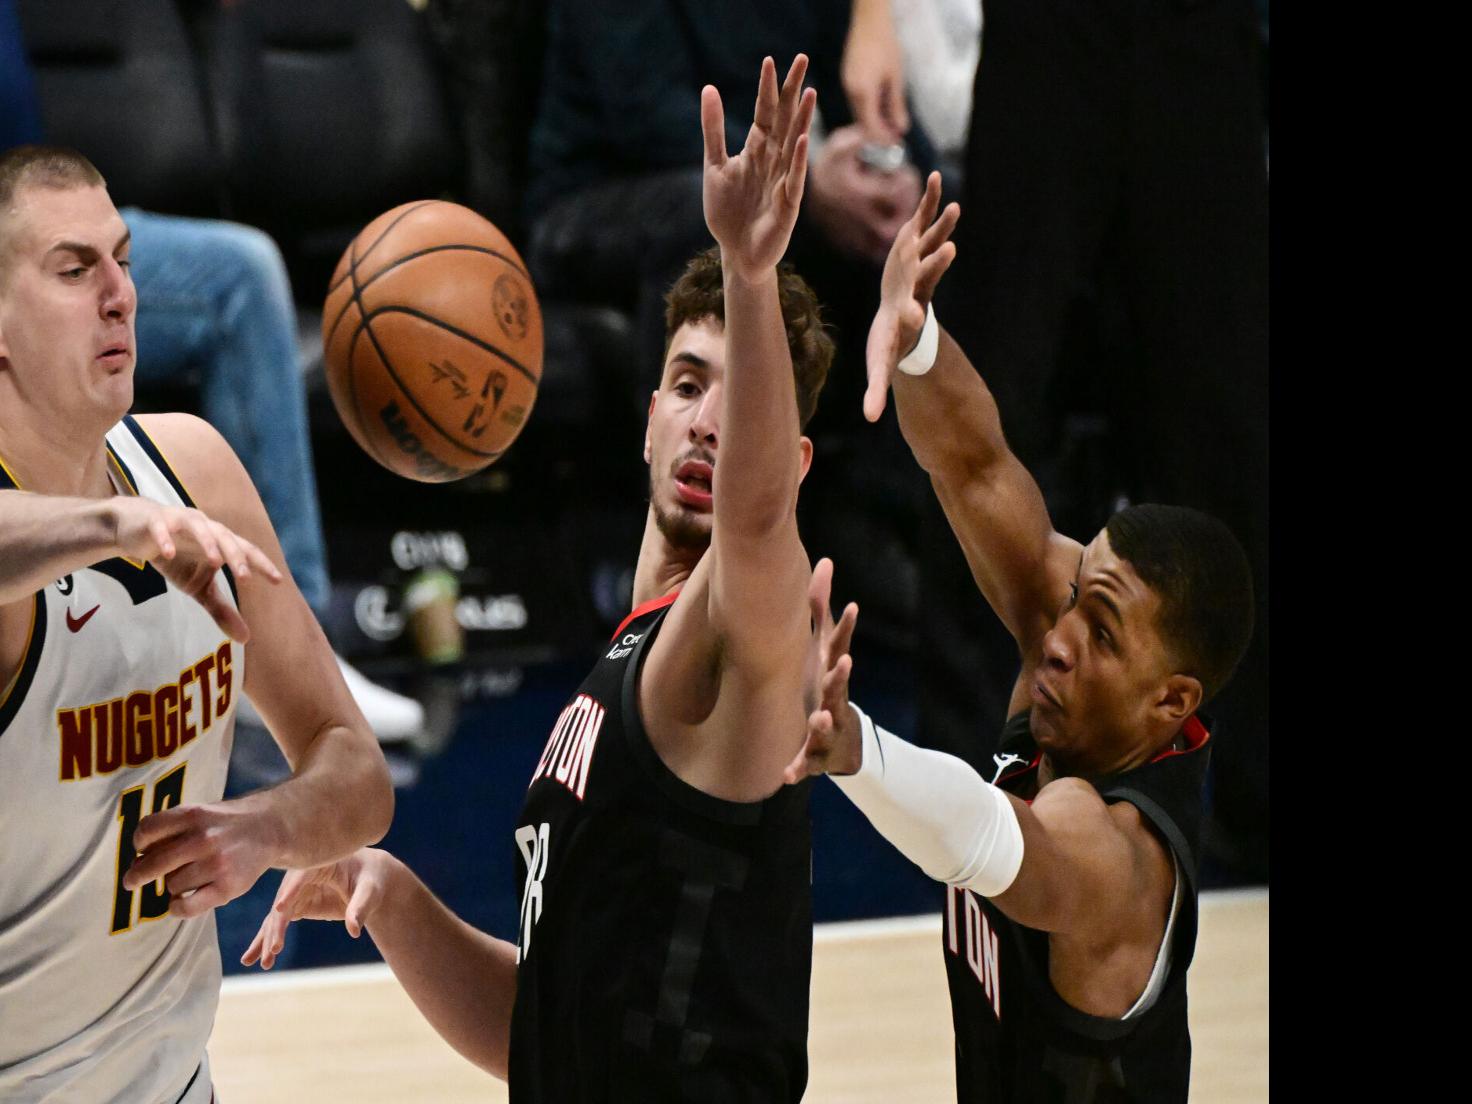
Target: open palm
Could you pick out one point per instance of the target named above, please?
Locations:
(752, 199)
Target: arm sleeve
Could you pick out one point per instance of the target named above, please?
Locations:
(937, 811)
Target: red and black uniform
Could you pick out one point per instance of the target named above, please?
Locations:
(1017, 1040)
(665, 945)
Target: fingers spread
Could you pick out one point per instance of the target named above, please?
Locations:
(843, 633)
(835, 685)
(940, 230)
(932, 269)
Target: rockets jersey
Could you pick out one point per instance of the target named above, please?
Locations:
(1017, 1040)
(124, 705)
(665, 947)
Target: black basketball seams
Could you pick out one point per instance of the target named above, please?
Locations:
(356, 260)
(459, 247)
(409, 395)
(414, 312)
(353, 396)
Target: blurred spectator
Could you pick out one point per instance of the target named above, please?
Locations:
(614, 202)
(941, 42)
(1113, 240)
(214, 297)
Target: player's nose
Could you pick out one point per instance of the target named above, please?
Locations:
(705, 426)
(118, 298)
(1058, 651)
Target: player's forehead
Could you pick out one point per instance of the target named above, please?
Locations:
(698, 346)
(42, 218)
(1103, 570)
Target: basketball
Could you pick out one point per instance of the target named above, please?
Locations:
(432, 341)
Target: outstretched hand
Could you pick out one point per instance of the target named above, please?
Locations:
(921, 253)
(833, 743)
(751, 200)
(348, 890)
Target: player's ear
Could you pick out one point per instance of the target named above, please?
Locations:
(648, 424)
(805, 448)
(1179, 697)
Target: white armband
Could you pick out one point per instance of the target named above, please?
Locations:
(937, 810)
(921, 358)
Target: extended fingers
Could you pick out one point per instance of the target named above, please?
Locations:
(940, 230)
(765, 117)
(713, 126)
(835, 684)
(843, 632)
(932, 269)
(792, 106)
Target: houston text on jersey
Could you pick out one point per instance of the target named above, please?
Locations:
(968, 931)
(569, 750)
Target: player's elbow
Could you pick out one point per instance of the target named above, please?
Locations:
(380, 813)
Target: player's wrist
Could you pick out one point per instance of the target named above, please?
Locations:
(921, 358)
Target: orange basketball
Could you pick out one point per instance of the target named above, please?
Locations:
(432, 341)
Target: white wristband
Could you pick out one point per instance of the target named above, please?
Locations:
(937, 810)
(921, 358)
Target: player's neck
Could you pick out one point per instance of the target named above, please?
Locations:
(1129, 760)
(47, 462)
(663, 567)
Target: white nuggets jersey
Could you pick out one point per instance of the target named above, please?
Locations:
(124, 705)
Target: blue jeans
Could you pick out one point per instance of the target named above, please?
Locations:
(213, 297)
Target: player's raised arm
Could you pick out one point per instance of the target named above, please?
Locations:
(950, 420)
(759, 570)
(339, 796)
(751, 205)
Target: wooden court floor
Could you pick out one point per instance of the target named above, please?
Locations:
(880, 1024)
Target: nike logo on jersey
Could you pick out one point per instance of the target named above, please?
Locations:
(76, 623)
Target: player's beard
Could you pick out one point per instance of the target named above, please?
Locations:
(682, 528)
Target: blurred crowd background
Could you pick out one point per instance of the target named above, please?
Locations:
(1111, 159)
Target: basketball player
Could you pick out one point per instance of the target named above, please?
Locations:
(1070, 914)
(142, 591)
(665, 944)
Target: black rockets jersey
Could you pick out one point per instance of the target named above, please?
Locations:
(1017, 1040)
(665, 947)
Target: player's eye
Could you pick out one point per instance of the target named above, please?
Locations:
(1072, 594)
(686, 389)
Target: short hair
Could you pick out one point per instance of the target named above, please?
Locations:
(698, 294)
(44, 167)
(39, 167)
(1200, 571)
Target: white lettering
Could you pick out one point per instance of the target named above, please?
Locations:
(533, 845)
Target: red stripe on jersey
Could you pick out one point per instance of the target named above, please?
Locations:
(639, 611)
(1196, 735)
